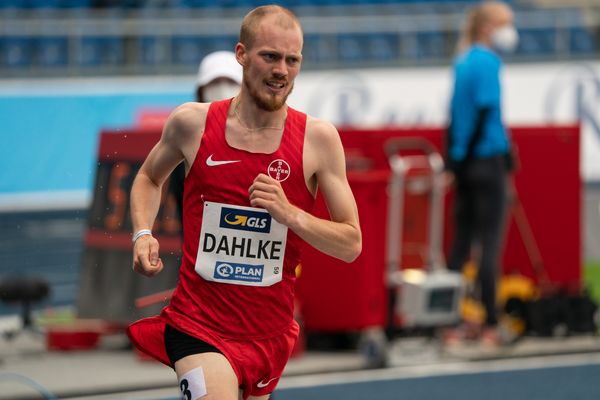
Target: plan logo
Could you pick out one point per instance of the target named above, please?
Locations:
(239, 272)
(224, 271)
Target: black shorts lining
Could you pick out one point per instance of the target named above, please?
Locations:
(179, 345)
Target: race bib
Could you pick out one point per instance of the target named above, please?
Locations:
(240, 245)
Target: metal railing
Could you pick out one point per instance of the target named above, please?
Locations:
(171, 41)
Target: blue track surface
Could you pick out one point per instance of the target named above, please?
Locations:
(558, 383)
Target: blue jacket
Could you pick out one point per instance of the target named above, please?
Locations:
(477, 88)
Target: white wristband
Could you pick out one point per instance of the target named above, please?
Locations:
(139, 234)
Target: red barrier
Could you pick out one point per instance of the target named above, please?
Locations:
(336, 296)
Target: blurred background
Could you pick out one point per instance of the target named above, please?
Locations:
(72, 69)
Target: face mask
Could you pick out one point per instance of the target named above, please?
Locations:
(219, 91)
(505, 38)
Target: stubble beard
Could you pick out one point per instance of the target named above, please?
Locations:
(266, 103)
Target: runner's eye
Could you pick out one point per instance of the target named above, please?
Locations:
(270, 56)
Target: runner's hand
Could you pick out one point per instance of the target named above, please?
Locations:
(145, 256)
(266, 192)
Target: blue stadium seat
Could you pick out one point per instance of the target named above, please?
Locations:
(431, 45)
(153, 51)
(114, 53)
(16, 51)
(408, 46)
(366, 47)
(220, 43)
(187, 50)
(582, 41)
(351, 48)
(537, 42)
(147, 46)
(310, 51)
(383, 47)
(101, 51)
(52, 51)
(90, 52)
(318, 49)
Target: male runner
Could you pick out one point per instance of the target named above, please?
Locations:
(253, 166)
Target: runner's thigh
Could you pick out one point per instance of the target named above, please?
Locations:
(220, 380)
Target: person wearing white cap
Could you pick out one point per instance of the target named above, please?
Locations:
(219, 77)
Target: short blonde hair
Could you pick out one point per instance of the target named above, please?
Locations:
(476, 18)
(252, 20)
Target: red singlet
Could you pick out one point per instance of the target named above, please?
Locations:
(238, 269)
(237, 250)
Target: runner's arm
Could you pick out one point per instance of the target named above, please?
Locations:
(339, 237)
(147, 186)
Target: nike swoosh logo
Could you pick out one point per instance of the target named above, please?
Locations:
(262, 384)
(212, 163)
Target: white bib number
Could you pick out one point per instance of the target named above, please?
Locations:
(240, 245)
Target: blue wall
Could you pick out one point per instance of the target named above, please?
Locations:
(49, 140)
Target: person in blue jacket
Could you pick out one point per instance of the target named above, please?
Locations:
(479, 150)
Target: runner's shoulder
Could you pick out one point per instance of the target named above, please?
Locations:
(187, 120)
(321, 132)
(189, 114)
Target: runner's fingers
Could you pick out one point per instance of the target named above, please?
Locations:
(140, 249)
(257, 192)
(153, 252)
(136, 263)
(264, 187)
(263, 178)
(264, 196)
(144, 253)
(145, 264)
(147, 269)
(145, 256)
(155, 269)
(258, 202)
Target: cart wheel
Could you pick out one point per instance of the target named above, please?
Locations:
(373, 346)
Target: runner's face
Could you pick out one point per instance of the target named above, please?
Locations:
(272, 64)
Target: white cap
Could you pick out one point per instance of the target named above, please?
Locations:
(220, 64)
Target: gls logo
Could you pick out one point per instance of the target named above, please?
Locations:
(245, 220)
